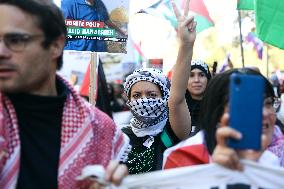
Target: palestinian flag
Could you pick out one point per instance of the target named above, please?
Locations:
(245, 5)
(269, 17)
(198, 7)
(191, 151)
(202, 17)
(138, 54)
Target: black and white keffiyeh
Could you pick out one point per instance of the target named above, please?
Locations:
(150, 115)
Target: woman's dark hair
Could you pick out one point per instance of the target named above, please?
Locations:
(49, 19)
(215, 100)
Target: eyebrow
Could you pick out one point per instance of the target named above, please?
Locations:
(135, 92)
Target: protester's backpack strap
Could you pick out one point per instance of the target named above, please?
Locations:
(166, 139)
(168, 136)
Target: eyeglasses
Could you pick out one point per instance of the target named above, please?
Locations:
(17, 42)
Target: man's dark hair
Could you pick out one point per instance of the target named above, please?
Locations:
(49, 19)
(215, 99)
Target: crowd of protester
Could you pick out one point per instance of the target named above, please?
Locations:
(49, 133)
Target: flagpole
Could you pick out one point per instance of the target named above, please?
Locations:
(241, 38)
(267, 61)
(93, 78)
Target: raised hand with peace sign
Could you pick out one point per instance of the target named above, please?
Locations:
(186, 24)
(179, 114)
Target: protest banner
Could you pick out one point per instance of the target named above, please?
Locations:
(207, 176)
(97, 26)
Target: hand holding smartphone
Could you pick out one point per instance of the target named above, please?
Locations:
(245, 108)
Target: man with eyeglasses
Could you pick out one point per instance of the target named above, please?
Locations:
(48, 133)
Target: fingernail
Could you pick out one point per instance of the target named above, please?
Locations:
(239, 135)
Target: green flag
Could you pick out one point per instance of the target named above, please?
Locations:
(245, 5)
(269, 17)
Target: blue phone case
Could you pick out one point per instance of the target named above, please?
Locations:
(245, 107)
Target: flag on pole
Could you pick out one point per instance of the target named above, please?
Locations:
(138, 54)
(270, 21)
(245, 5)
(227, 64)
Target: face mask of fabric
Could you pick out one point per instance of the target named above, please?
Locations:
(147, 111)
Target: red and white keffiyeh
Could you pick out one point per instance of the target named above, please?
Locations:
(88, 137)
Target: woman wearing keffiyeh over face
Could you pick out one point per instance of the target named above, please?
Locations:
(160, 115)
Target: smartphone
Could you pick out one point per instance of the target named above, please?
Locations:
(246, 95)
